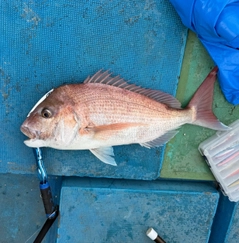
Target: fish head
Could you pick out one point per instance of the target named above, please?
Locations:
(45, 121)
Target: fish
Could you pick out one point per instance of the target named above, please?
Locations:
(106, 111)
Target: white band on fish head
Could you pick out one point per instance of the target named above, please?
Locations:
(42, 99)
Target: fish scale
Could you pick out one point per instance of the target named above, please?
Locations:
(128, 109)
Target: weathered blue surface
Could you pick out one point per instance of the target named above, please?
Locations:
(97, 210)
(233, 232)
(222, 221)
(47, 43)
(22, 212)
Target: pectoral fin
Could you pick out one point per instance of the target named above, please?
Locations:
(105, 154)
(105, 132)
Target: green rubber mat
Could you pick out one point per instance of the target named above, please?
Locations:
(182, 159)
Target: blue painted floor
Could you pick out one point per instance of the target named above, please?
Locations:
(48, 43)
(122, 211)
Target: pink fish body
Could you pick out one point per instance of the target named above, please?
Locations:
(105, 111)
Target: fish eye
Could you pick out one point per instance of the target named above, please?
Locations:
(46, 113)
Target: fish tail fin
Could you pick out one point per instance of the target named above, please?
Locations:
(201, 104)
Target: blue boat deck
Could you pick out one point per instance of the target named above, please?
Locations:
(46, 44)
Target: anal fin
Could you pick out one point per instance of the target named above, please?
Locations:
(105, 154)
(160, 140)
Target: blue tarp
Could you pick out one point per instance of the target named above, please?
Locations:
(216, 23)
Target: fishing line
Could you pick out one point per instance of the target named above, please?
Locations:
(38, 230)
(51, 210)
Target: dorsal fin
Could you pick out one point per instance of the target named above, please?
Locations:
(106, 78)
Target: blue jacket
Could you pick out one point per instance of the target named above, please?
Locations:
(216, 23)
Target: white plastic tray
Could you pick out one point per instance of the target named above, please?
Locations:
(221, 152)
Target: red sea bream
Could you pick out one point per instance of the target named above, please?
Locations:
(106, 111)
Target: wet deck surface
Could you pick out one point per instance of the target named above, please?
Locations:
(46, 44)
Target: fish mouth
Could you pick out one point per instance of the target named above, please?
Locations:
(26, 131)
